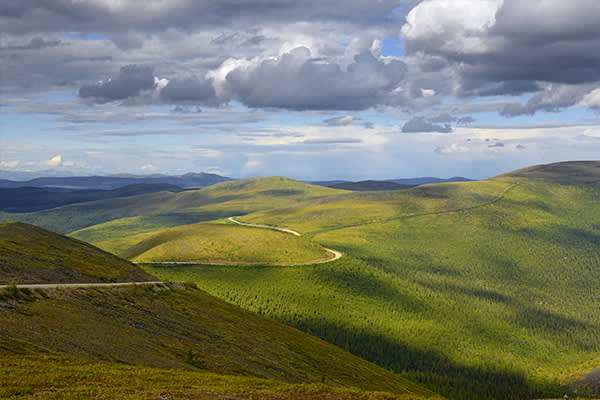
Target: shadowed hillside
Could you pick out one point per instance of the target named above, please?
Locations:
(480, 290)
(28, 199)
(154, 211)
(168, 326)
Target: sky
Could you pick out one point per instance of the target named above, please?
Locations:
(312, 89)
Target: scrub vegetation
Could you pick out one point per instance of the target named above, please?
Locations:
(167, 326)
(29, 254)
(225, 244)
(474, 294)
(476, 290)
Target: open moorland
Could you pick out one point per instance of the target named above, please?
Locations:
(477, 290)
(162, 339)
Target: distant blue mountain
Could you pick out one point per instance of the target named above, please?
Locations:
(427, 180)
(73, 183)
(27, 199)
(388, 184)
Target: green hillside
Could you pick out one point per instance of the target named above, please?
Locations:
(570, 172)
(219, 243)
(479, 290)
(140, 341)
(175, 326)
(133, 215)
(29, 378)
(29, 254)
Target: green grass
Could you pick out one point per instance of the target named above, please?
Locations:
(166, 209)
(478, 290)
(171, 326)
(354, 209)
(29, 254)
(474, 297)
(225, 244)
(59, 378)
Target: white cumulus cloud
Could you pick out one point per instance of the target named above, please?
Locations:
(452, 149)
(54, 161)
(9, 164)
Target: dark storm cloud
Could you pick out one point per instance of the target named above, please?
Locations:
(129, 82)
(553, 99)
(454, 48)
(447, 118)
(442, 118)
(96, 16)
(420, 125)
(189, 90)
(510, 47)
(465, 120)
(36, 43)
(340, 121)
(296, 81)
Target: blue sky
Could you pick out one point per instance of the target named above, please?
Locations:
(308, 89)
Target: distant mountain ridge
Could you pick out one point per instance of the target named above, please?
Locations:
(387, 184)
(187, 181)
(28, 199)
(371, 185)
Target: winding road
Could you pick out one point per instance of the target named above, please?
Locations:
(77, 285)
(335, 255)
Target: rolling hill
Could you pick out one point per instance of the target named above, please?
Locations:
(218, 243)
(478, 290)
(142, 341)
(364, 186)
(152, 211)
(388, 184)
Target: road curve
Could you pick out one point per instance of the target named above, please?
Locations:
(335, 255)
(275, 228)
(77, 285)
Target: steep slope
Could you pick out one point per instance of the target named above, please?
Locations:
(175, 326)
(570, 172)
(167, 326)
(480, 290)
(51, 377)
(219, 243)
(29, 254)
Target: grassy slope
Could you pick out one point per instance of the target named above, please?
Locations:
(353, 209)
(59, 378)
(172, 326)
(478, 299)
(165, 209)
(29, 254)
(225, 243)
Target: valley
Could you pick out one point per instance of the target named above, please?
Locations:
(475, 290)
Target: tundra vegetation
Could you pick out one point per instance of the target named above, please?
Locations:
(477, 290)
(166, 339)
